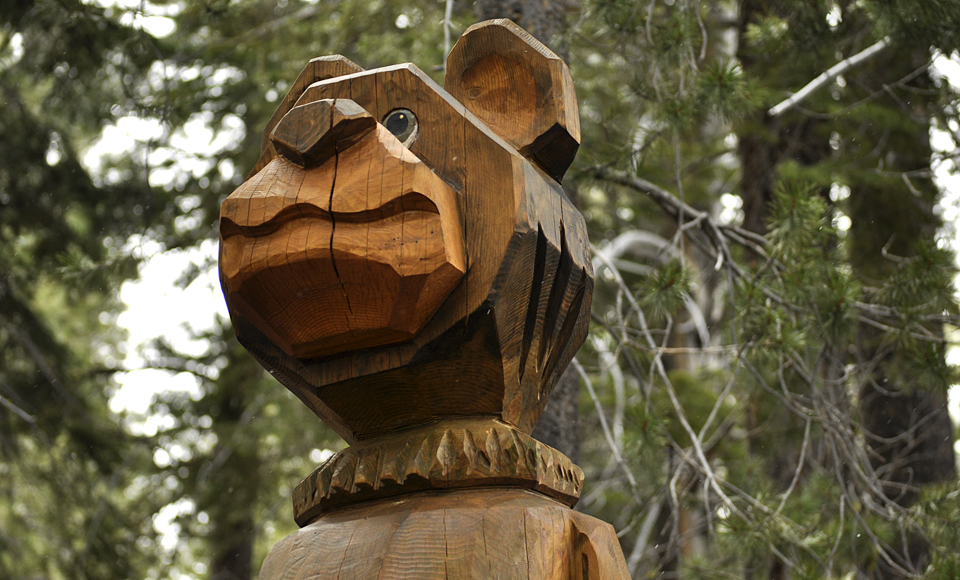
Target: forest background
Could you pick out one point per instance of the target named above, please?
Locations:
(764, 390)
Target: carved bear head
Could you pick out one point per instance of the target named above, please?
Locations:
(404, 252)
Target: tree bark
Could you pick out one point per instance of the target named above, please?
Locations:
(559, 425)
(544, 19)
(233, 562)
(910, 433)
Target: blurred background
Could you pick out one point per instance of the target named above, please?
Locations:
(765, 392)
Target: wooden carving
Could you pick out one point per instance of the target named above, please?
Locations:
(404, 260)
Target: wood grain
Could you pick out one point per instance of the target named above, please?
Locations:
(468, 534)
(454, 453)
(355, 253)
(312, 133)
(520, 89)
(318, 69)
(423, 299)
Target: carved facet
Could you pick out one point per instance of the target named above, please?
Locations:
(520, 89)
(355, 253)
(310, 134)
(450, 454)
(404, 260)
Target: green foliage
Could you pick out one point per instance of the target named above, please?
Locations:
(924, 24)
(923, 282)
(724, 91)
(665, 290)
(812, 277)
(840, 304)
(699, 399)
(939, 507)
(768, 33)
(769, 348)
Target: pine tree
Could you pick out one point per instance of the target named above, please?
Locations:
(70, 472)
(694, 124)
(753, 351)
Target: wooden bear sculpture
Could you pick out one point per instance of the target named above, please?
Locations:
(404, 260)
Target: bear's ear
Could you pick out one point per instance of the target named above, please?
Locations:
(520, 89)
(318, 69)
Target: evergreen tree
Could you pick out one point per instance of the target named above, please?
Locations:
(73, 503)
(764, 385)
(812, 320)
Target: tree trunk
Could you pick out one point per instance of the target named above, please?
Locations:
(233, 561)
(559, 425)
(544, 19)
(763, 143)
(909, 431)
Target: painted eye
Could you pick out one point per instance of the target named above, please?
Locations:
(403, 124)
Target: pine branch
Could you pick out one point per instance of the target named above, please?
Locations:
(20, 412)
(277, 23)
(640, 546)
(885, 89)
(35, 353)
(828, 76)
(685, 214)
(614, 448)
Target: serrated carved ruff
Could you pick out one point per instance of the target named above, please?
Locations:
(403, 258)
(458, 453)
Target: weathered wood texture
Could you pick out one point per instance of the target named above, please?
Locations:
(465, 535)
(519, 88)
(519, 311)
(451, 454)
(358, 252)
(404, 260)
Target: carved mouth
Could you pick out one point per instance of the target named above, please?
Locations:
(338, 279)
(355, 253)
(408, 202)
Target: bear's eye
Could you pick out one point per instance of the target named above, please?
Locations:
(403, 124)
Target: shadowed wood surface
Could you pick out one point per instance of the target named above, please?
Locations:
(359, 252)
(470, 452)
(520, 89)
(465, 534)
(404, 260)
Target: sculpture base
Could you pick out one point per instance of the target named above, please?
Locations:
(463, 534)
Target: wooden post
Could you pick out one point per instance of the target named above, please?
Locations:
(403, 259)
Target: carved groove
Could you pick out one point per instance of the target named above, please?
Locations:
(408, 202)
(566, 331)
(451, 454)
(533, 306)
(557, 293)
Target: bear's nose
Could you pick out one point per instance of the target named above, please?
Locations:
(310, 134)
